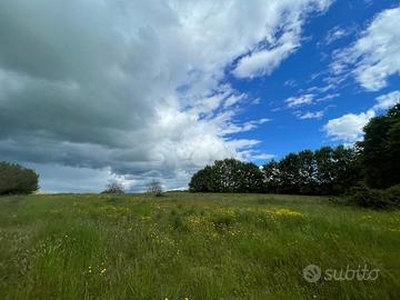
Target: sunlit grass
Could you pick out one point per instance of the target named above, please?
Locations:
(194, 246)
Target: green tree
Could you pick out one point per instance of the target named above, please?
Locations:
(380, 150)
(325, 173)
(347, 172)
(251, 178)
(228, 175)
(290, 177)
(203, 181)
(15, 179)
(307, 170)
(271, 176)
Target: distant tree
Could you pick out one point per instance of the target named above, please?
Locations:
(154, 187)
(228, 175)
(114, 188)
(326, 171)
(15, 179)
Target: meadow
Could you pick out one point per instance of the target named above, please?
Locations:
(193, 246)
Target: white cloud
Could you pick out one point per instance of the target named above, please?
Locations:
(375, 56)
(323, 89)
(301, 100)
(349, 127)
(251, 155)
(328, 97)
(387, 101)
(337, 33)
(135, 87)
(291, 83)
(310, 115)
(229, 128)
(262, 59)
(263, 62)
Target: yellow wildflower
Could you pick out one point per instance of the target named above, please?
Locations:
(286, 212)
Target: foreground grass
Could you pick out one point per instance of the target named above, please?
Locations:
(194, 246)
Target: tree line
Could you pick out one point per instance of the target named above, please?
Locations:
(370, 166)
(326, 171)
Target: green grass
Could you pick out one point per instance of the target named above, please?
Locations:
(199, 246)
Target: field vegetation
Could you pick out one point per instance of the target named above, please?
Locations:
(192, 246)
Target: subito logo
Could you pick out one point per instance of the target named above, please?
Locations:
(312, 273)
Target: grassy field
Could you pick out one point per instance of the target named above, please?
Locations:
(192, 246)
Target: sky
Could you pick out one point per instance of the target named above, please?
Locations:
(97, 91)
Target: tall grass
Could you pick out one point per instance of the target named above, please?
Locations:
(194, 246)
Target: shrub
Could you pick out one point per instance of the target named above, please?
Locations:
(393, 195)
(15, 179)
(375, 199)
(154, 187)
(114, 188)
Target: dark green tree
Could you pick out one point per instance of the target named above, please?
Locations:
(380, 150)
(290, 177)
(325, 172)
(250, 178)
(307, 172)
(203, 180)
(347, 172)
(271, 176)
(15, 179)
(228, 175)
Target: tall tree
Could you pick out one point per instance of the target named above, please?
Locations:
(271, 176)
(347, 170)
(290, 177)
(307, 172)
(325, 170)
(203, 181)
(380, 150)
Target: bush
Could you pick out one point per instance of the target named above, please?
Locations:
(393, 195)
(15, 179)
(114, 188)
(154, 187)
(375, 199)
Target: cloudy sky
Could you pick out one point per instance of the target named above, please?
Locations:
(93, 91)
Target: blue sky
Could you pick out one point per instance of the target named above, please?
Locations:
(130, 91)
(308, 68)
